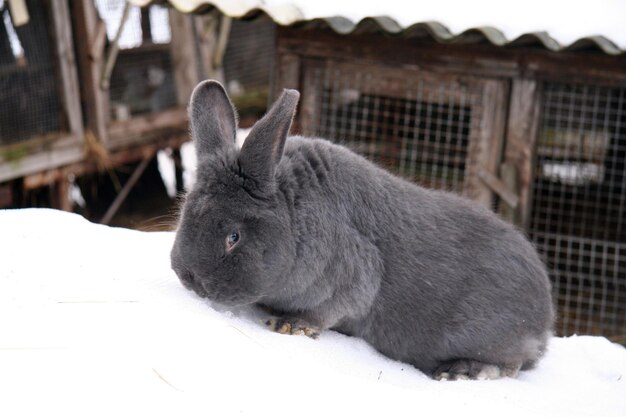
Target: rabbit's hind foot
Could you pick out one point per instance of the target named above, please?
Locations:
(470, 369)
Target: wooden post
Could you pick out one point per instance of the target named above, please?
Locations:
(521, 141)
(508, 175)
(90, 43)
(70, 91)
(487, 138)
(184, 60)
(60, 194)
(212, 32)
(63, 187)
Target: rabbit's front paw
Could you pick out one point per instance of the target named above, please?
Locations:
(470, 369)
(291, 325)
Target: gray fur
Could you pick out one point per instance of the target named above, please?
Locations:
(332, 240)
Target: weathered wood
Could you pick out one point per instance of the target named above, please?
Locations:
(114, 48)
(64, 48)
(89, 45)
(116, 158)
(144, 128)
(499, 187)
(508, 176)
(44, 155)
(212, 32)
(467, 59)
(61, 194)
(393, 82)
(486, 140)
(521, 140)
(184, 59)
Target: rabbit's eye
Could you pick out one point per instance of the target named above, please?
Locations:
(232, 239)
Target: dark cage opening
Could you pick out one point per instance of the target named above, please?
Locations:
(413, 128)
(579, 208)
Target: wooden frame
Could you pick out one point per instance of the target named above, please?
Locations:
(512, 78)
(484, 60)
(90, 44)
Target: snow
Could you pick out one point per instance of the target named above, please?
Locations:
(94, 322)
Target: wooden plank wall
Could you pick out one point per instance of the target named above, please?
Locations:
(513, 78)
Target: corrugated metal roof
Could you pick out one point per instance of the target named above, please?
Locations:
(288, 14)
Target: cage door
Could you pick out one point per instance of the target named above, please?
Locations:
(438, 130)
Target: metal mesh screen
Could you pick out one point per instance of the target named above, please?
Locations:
(579, 205)
(249, 54)
(422, 133)
(142, 80)
(29, 103)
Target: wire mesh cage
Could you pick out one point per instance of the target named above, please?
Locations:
(422, 127)
(29, 98)
(142, 79)
(579, 205)
(249, 55)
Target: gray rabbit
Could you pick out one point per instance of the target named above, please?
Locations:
(326, 239)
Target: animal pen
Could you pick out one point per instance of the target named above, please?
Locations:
(529, 128)
(97, 85)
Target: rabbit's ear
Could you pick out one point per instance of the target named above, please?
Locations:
(264, 145)
(212, 118)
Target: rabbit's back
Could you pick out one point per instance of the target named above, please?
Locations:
(452, 279)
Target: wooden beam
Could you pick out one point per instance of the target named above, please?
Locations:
(486, 140)
(508, 176)
(212, 32)
(64, 48)
(499, 187)
(466, 59)
(61, 194)
(90, 39)
(144, 128)
(184, 57)
(43, 155)
(118, 157)
(521, 140)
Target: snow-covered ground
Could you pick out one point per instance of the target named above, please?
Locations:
(94, 322)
